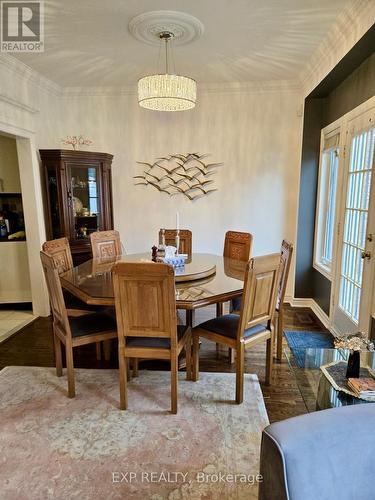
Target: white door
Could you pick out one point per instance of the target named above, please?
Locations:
(356, 240)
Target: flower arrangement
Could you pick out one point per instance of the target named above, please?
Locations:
(75, 141)
(354, 342)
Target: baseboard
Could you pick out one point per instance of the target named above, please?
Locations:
(311, 304)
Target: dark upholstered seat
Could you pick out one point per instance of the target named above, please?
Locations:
(90, 324)
(227, 325)
(235, 304)
(154, 341)
(72, 302)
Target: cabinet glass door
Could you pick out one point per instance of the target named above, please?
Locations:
(85, 197)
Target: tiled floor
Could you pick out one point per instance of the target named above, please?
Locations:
(12, 321)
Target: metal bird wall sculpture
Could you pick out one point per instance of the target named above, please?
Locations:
(175, 174)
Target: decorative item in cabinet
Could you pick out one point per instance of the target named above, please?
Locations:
(78, 196)
(12, 226)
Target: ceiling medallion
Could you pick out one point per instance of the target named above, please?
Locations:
(147, 27)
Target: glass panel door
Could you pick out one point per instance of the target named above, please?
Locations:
(354, 288)
(85, 200)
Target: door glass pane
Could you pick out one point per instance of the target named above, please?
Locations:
(356, 215)
(332, 164)
(86, 204)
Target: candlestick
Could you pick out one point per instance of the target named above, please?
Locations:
(177, 241)
(177, 220)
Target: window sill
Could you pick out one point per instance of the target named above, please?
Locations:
(327, 273)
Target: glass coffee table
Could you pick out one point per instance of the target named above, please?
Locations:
(316, 390)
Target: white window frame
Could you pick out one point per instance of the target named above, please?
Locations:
(331, 130)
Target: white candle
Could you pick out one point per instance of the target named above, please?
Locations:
(177, 220)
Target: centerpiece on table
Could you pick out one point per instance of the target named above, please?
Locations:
(355, 342)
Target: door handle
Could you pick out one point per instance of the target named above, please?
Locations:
(366, 255)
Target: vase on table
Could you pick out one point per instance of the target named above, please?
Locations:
(354, 362)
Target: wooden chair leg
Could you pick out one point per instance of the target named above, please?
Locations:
(128, 374)
(231, 356)
(240, 373)
(279, 335)
(58, 356)
(195, 374)
(174, 376)
(70, 370)
(98, 347)
(190, 316)
(135, 367)
(219, 312)
(188, 358)
(107, 348)
(217, 350)
(122, 362)
(269, 361)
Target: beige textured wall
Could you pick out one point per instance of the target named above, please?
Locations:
(255, 134)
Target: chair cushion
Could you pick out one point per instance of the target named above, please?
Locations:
(235, 304)
(72, 302)
(227, 326)
(155, 341)
(92, 323)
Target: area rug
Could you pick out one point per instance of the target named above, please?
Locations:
(300, 340)
(86, 448)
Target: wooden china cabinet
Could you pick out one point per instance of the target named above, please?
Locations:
(78, 196)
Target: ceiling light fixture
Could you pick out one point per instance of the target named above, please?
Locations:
(167, 92)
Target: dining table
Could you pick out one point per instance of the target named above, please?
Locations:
(205, 279)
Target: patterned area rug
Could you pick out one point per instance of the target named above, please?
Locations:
(86, 448)
(300, 340)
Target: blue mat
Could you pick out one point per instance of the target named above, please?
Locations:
(300, 340)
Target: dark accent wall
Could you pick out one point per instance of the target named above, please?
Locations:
(349, 84)
(372, 330)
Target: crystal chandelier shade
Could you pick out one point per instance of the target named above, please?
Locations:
(167, 92)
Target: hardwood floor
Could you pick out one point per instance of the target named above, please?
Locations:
(33, 346)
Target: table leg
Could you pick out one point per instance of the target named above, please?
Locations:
(107, 348)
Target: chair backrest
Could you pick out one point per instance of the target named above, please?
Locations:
(59, 250)
(60, 317)
(260, 291)
(105, 244)
(238, 245)
(286, 259)
(186, 239)
(145, 300)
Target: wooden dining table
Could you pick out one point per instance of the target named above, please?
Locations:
(204, 280)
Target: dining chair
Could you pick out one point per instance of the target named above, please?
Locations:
(59, 250)
(253, 325)
(186, 239)
(286, 259)
(105, 244)
(72, 331)
(237, 246)
(147, 321)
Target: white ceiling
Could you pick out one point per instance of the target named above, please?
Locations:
(87, 42)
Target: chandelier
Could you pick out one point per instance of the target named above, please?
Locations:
(167, 92)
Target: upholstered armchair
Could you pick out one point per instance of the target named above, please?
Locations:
(324, 455)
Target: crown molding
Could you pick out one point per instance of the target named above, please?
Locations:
(15, 66)
(203, 88)
(250, 87)
(351, 24)
(17, 104)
